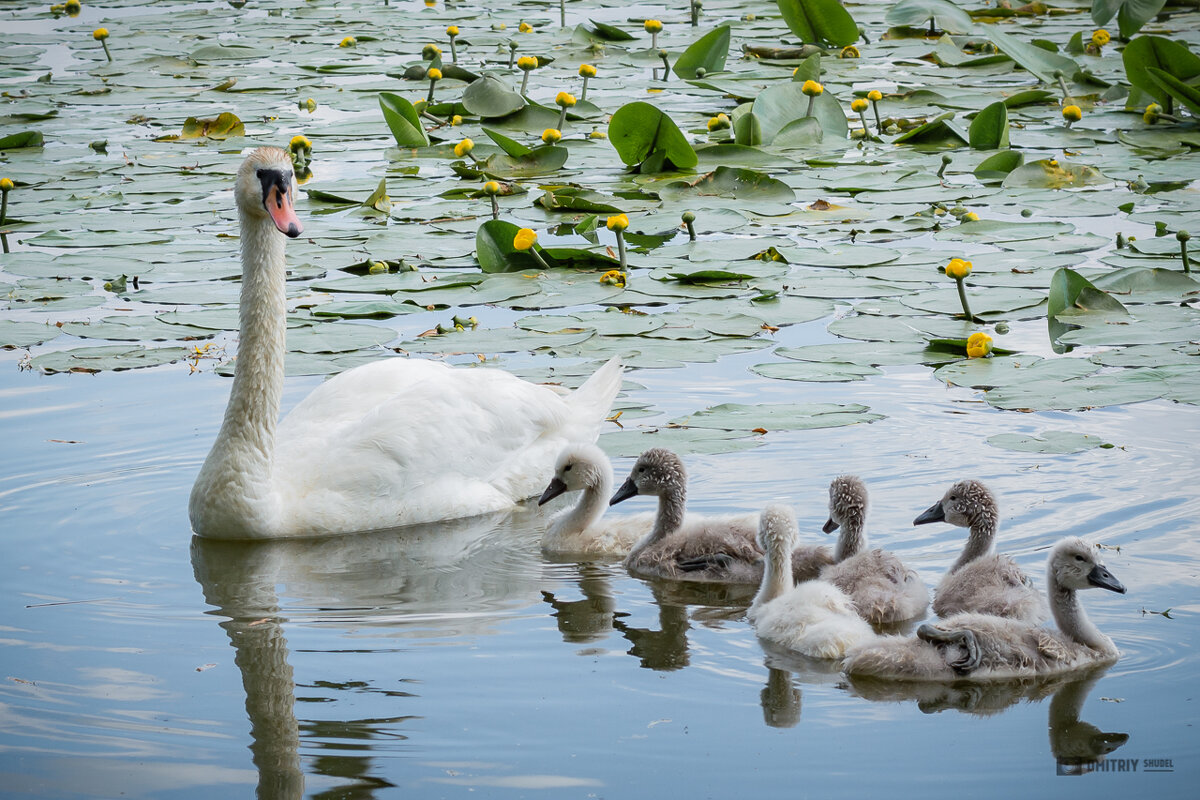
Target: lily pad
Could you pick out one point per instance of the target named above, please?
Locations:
(1057, 442)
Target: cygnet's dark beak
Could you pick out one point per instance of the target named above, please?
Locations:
(1101, 577)
(555, 488)
(830, 526)
(935, 513)
(628, 489)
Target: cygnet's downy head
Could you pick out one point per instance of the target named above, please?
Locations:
(1075, 564)
(266, 187)
(847, 503)
(777, 529)
(966, 504)
(579, 466)
(657, 472)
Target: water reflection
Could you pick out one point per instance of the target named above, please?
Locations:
(449, 576)
(591, 618)
(1075, 744)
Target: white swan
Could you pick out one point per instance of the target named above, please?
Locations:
(815, 618)
(980, 580)
(394, 442)
(881, 587)
(982, 646)
(580, 530)
(712, 549)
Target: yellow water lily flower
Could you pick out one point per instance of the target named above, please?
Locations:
(614, 277)
(958, 269)
(430, 51)
(564, 100)
(859, 104)
(456, 120)
(652, 25)
(587, 71)
(100, 34)
(434, 74)
(72, 7)
(1152, 113)
(970, 216)
(308, 105)
(617, 222)
(349, 41)
(1100, 38)
(525, 27)
(812, 88)
(464, 147)
(1072, 113)
(491, 188)
(299, 142)
(452, 31)
(525, 239)
(874, 95)
(6, 185)
(551, 135)
(979, 345)
(850, 51)
(527, 63)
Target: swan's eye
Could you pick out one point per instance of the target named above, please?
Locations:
(953, 498)
(567, 468)
(1079, 558)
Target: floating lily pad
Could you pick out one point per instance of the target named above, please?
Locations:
(778, 416)
(1057, 442)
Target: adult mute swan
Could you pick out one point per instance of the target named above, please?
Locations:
(712, 549)
(982, 646)
(881, 587)
(395, 442)
(980, 580)
(816, 618)
(581, 530)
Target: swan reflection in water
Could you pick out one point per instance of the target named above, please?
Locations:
(1076, 745)
(452, 576)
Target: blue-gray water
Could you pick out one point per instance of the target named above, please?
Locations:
(452, 661)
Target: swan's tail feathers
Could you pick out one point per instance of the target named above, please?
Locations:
(594, 399)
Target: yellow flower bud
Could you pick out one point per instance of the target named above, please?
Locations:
(464, 147)
(617, 222)
(979, 345)
(6, 185)
(598, 134)
(299, 142)
(652, 25)
(349, 41)
(614, 277)
(1101, 38)
(970, 216)
(527, 63)
(1153, 111)
(524, 27)
(430, 51)
(587, 71)
(525, 239)
(859, 104)
(308, 105)
(564, 99)
(456, 120)
(850, 51)
(434, 74)
(452, 31)
(491, 188)
(812, 88)
(718, 123)
(72, 7)
(100, 34)
(874, 95)
(958, 269)
(377, 267)
(551, 135)
(1072, 113)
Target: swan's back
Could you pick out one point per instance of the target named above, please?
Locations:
(992, 584)
(705, 549)
(404, 440)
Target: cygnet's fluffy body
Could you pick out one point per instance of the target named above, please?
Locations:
(980, 580)
(985, 647)
(583, 529)
(882, 588)
(815, 619)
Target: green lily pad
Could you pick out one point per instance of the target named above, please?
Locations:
(777, 416)
(708, 53)
(1057, 442)
(648, 140)
(819, 21)
(403, 121)
(115, 357)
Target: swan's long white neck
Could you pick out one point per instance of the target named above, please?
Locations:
(1071, 618)
(234, 494)
(979, 541)
(777, 571)
(588, 510)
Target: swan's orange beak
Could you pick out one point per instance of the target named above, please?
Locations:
(278, 202)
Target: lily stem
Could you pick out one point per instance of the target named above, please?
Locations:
(962, 296)
(621, 250)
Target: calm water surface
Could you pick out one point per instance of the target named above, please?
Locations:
(456, 660)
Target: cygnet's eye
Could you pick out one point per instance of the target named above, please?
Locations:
(567, 468)
(953, 498)
(1079, 558)
(640, 470)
